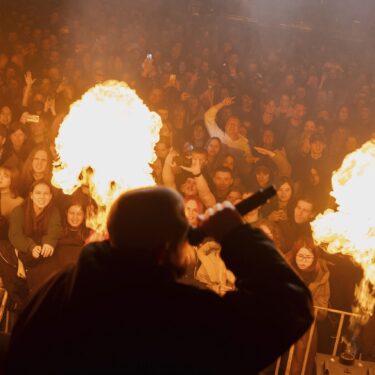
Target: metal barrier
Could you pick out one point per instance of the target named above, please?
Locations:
(4, 311)
(342, 314)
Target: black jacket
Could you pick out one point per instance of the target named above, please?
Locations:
(118, 313)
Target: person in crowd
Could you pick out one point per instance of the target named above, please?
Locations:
(304, 258)
(74, 235)
(18, 146)
(193, 208)
(313, 171)
(235, 195)
(195, 111)
(246, 114)
(253, 217)
(343, 119)
(4, 154)
(299, 224)
(192, 183)
(34, 229)
(284, 110)
(215, 152)
(139, 263)
(268, 121)
(280, 208)
(38, 132)
(293, 131)
(199, 135)
(9, 200)
(222, 183)
(37, 166)
(261, 176)
(6, 115)
(266, 153)
(162, 148)
(231, 135)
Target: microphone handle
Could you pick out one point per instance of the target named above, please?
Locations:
(196, 235)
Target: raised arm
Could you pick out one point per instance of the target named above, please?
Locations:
(271, 308)
(210, 118)
(29, 81)
(167, 173)
(204, 192)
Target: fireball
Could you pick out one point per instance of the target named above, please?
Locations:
(350, 229)
(106, 142)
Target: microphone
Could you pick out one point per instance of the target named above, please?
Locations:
(196, 235)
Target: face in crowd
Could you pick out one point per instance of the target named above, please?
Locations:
(40, 162)
(192, 210)
(284, 192)
(222, 180)
(41, 196)
(75, 215)
(232, 127)
(303, 212)
(5, 179)
(304, 258)
(213, 147)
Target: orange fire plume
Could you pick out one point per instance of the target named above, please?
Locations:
(106, 142)
(350, 229)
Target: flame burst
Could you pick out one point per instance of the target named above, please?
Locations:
(106, 142)
(350, 229)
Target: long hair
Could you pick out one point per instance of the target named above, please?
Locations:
(14, 179)
(82, 231)
(307, 275)
(36, 226)
(27, 177)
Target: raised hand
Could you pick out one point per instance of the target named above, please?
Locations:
(169, 158)
(195, 168)
(229, 100)
(29, 79)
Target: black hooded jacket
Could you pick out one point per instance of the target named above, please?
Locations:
(118, 312)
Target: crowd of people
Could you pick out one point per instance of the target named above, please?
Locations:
(241, 108)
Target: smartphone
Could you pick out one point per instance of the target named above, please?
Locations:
(32, 118)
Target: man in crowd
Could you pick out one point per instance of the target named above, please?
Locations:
(299, 225)
(231, 135)
(121, 310)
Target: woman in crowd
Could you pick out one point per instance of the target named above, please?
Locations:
(38, 166)
(280, 208)
(18, 147)
(214, 149)
(34, 229)
(74, 235)
(304, 258)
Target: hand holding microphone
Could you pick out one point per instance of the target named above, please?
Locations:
(220, 220)
(226, 216)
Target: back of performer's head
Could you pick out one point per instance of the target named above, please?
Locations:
(148, 219)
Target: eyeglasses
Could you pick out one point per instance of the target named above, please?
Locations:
(305, 257)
